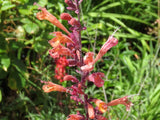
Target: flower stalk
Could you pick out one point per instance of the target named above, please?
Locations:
(67, 51)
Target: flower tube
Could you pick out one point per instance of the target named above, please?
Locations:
(45, 15)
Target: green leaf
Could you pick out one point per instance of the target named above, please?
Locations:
(129, 64)
(5, 61)
(31, 28)
(114, 4)
(20, 67)
(43, 2)
(121, 16)
(26, 21)
(3, 73)
(61, 7)
(6, 5)
(3, 44)
(20, 1)
(40, 45)
(25, 11)
(16, 80)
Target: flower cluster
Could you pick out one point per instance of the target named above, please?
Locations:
(66, 50)
(60, 71)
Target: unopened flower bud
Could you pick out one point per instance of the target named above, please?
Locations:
(66, 16)
(74, 22)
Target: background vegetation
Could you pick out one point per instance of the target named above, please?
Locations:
(131, 68)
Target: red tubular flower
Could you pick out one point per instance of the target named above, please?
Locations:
(49, 87)
(60, 71)
(123, 100)
(75, 117)
(66, 16)
(90, 111)
(102, 106)
(45, 15)
(59, 50)
(96, 78)
(60, 38)
(70, 78)
(109, 44)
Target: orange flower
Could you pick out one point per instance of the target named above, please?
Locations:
(45, 15)
(60, 38)
(102, 106)
(123, 100)
(49, 87)
(91, 111)
(59, 50)
(75, 117)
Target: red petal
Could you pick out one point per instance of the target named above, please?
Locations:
(75, 117)
(107, 45)
(70, 78)
(91, 111)
(123, 100)
(88, 67)
(97, 79)
(88, 58)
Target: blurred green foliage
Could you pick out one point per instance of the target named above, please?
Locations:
(131, 68)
